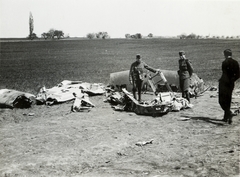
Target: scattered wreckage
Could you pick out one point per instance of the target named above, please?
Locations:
(71, 90)
(160, 105)
(65, 91)
(164, 86)
(15, 99)
(160, 81)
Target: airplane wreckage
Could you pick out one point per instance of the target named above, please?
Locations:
(159, 82)
(164, 84)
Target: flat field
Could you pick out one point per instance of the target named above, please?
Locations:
(53, 141)
(28, 65)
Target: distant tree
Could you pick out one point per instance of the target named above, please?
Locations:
(138, 36)
(99, 35)
(191, 36)
(34, 36)
(58, 34)
(51, 33)
(127, 36)
(150, 35)
(133, 36)
(102, 35)
(44, 35)
(105, 35)
(31, 27)
(183, 36)
(91, 35)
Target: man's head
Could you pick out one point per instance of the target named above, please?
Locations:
(138, 56)
(227, 53)
(181, 53)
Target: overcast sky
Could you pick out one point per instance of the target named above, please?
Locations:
(119, 17)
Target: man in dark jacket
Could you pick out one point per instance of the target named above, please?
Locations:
(230, 73)
(185, 72)
(136, 75)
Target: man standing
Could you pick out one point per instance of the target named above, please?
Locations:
(185, 72)
(230, 73)
(136, 75)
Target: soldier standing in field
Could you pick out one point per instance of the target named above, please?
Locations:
(230, 73)
(136, 75)
(185, 72)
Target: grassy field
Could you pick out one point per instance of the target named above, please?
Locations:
(28, 65)
(54, 141)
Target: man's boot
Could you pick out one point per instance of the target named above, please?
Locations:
(134, 95)
(134, 92)
(225, 117)
(187, 96)
(139, 97)
(230, 115)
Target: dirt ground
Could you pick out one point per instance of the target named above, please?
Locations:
(53, 141)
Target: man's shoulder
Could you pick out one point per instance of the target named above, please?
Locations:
(231, 60)
(235, 61)
(187, 60)
(134, 63)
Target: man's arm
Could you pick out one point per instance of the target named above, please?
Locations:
(236, 74)
(150, 68)
(130, 74)
(189, 66)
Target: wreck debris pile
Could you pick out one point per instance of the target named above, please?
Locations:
(82, 103)
(71, 90)
(119, 79)
(160, 105)
(120, 99)
(15, 99)
(65, 91)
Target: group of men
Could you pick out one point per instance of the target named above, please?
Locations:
(230, 73)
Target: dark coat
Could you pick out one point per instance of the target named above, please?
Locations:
(136, 70)
(230, 72)
(185, 69)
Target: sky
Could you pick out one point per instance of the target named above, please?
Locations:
(77, 18)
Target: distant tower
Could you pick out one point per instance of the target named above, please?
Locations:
(31, 26)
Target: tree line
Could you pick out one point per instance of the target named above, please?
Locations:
(52, 33)
(99, 35)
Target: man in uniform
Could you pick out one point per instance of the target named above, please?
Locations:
(136, 75)
(185, 72)
(230, 73)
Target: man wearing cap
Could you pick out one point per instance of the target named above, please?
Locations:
(230, 73)
(136, 75)
(185, 72)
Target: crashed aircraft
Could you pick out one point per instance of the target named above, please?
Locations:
(157, 82)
